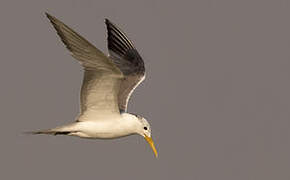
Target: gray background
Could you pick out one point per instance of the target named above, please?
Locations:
(216, 93)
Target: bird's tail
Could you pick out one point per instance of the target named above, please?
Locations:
(49, 132)
(61, 130)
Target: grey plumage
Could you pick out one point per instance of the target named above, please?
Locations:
(107, 85)
(127, 58)
(124, 68)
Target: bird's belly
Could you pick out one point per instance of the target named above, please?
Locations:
(102, 130)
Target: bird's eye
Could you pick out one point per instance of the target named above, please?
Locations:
(145, 128)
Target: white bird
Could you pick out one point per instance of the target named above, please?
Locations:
(107, 86)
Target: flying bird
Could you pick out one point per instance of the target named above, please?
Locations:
(107, 86)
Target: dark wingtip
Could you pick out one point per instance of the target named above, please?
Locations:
(48, 15)
(109, 23)
(107, 20)
(51, 18)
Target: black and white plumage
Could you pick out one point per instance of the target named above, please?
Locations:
(128, 60)
(107, 86)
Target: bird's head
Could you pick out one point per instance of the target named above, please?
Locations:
(144, 130)
(142, 127)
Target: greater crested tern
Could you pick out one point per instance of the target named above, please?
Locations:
(107, 86)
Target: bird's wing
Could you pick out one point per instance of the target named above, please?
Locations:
(102, 78)
(128, 60)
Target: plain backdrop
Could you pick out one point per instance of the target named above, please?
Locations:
(217, 93)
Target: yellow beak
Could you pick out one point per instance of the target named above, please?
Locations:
(151, 143)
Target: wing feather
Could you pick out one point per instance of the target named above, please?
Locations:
(128, 60)
(81, 49)
(102, 78)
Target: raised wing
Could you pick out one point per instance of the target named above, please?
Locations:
(101, 84)
(128, 60)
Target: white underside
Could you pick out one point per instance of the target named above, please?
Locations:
(103, 129)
